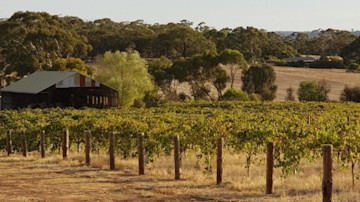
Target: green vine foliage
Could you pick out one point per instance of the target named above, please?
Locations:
(245, 126)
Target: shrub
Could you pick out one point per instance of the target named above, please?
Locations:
(353, 67)
(233, 94)
(138, 103)
(351, 94)
(151, 98)
(260, 79)
(183, 96)
(290, 94)
(255, 97)
(312, 91)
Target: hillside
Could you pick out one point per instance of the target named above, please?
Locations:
(291, 77)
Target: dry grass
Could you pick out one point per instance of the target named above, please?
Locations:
(291, 77)
(54, 179)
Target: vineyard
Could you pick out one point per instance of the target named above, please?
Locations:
(298, 131)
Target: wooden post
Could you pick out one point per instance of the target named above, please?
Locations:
(8, 144)
(23, 144)
(112, 151)
(141, 151)
(65, 144)
(177, 157)
(327, 175)
(87, 147)
(269, 167)
(348, 119)
(219, 160)
(42, 143)
(309, 119)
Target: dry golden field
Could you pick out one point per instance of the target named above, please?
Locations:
(54, 179)
(291, 77)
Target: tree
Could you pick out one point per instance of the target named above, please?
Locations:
(220, 79)
(72, 64)
(248, 41)
(313, 91)
(32, 41)
(160, 69)
(218, 37)
(260, 79)
(350, 94)
(233, 61)
(180, 40)
(290, 94)
(299, 41)
(126, 72)
(351, 53)
(274, 45)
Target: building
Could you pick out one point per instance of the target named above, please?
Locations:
(45, 89)
(301, 59)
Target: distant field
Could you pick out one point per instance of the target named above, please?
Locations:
(291, 77)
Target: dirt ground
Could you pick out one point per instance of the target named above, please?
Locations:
(291, 77)
(54, 179)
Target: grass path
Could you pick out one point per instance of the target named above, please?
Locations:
(52, 179)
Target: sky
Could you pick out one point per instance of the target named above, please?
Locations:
(272, 15)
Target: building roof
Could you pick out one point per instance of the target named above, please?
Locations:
(297, 59)
(37, 82)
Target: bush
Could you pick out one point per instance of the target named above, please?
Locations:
(312, 91)
(351, 94)
(255, 97)
(233, 94)
(183, 96)
(290, 94)
(353, 67)
(260, 79)
(151, 98)
(138, 103)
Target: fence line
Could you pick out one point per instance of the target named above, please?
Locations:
(327, 158)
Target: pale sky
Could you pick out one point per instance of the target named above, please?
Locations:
(272, 15)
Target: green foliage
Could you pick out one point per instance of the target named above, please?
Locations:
(233, 61)
(350, 94)
(233, 94)
(351, 52)
(290, 94)
(247, 127)
(31, 41)
(255, 97)
(152, 98)
(198, 71)
(220, 79)
(160, 69)
(138, 103)
(126, 72)
(72, 64)
(313, 91)
(260, 79)
(353, 67)
(179, 40)
(323, 42)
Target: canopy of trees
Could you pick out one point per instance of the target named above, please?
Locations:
(260, 79)
(32, 41)
(126, 72)
(201, 55)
